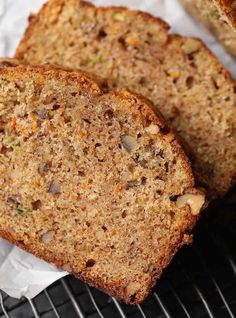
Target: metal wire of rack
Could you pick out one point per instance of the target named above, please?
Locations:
(200, 282)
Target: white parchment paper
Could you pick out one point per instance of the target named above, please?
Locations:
(22, 274)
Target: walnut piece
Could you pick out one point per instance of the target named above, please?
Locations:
(118, 16)
(54, 188)
(129, 143)
(152, 129)
(47, 237)
(195, 201)
(191, 46)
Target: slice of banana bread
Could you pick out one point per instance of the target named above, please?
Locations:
(91, 181)
(131, 48)
(213, 17)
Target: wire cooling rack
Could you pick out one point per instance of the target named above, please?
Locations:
(200, 282)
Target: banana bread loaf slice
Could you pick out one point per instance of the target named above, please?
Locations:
(196, 95)
(217, 17)
(93, 182)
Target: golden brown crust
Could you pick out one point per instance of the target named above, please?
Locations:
(91, 83)
(228, 8)
(45, 10)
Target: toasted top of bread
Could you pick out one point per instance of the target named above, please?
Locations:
(130, 48)
(92, 181)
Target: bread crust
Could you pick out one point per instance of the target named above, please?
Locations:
(228, 9)
(45, 10)
(91, 82)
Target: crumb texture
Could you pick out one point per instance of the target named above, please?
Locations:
(129, 48)
(91, 181)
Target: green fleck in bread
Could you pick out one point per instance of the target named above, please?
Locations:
(218, 18)
(92, 181)
(130, 48)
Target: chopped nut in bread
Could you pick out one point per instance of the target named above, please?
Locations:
(191, 46)
(195, 201)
